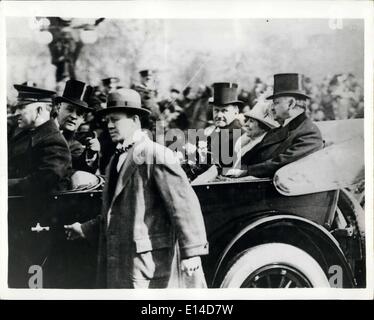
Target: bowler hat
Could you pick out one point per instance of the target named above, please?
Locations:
(225, 93)
(27, 95)
(77, 93)
(124, 100)
(288, 84)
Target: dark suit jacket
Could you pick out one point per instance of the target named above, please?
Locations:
(39, 160)
(281, 146)
(222, 143)
(152, 206)
(79, 155)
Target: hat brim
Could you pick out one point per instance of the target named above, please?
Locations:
(77, 103)
(288, 94)
(140, 111)
(236, 102)
(268, 124)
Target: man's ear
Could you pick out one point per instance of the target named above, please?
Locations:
(39, 110)
(136, 118)
(292, 103)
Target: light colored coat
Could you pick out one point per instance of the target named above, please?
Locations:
(152, 207)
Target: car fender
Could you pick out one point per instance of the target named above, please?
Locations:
(312, 233)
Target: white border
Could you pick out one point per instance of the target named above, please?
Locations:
(196, 10)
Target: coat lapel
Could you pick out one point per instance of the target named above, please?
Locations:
(273, 136)
(125, 174)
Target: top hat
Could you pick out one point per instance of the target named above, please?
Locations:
(225, 93)
(288, 84)
(77, 93)
(260, 112)
(109, 81)
(27, 95)
(146, 73)
(124, 100)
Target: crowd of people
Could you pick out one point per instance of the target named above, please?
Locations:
(336, 97)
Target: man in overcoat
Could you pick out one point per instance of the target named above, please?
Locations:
(148, 204)
(71, 109)
(218, 140)
(296, 137)
(38, 155)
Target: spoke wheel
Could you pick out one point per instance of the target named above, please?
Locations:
(276, 276)
(274, 265)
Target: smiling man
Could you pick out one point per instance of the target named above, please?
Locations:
(72, 109)
(227, 127)
(38, 155)
(148, 204)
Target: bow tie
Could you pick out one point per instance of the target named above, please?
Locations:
(120, 150)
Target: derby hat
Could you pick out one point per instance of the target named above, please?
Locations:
(260, 112)
(77, 93)
(124, 100)
(225, 93)
(27, 95)
(288, 84)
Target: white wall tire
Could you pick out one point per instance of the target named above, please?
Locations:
(289, 261)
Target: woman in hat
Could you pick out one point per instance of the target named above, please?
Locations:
(259, 122)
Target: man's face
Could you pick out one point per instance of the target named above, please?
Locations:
(147, 80)
(253, 128)
(26, 115)
(70, 117)
(223, 116)
(281, 108)
(120, 126)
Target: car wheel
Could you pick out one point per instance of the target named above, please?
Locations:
(274, 265)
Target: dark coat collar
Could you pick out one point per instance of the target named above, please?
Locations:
(281, 133)
(46, 129)
(294, 123)
(233, 125)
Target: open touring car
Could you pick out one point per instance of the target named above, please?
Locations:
(302, 228)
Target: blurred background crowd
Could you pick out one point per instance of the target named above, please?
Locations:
(172, 63)
(186, 56)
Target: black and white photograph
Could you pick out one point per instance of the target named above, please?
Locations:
(216, 151)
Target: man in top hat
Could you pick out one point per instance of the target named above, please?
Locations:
(72, 108)
(148, 203)
(296, 138)
(221, 137)
(38, 155)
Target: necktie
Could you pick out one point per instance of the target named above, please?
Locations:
(113, 175)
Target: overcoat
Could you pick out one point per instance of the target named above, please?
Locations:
(38, 160)
(153, 206)
(281, 146)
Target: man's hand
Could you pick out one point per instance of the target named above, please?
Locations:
(94, 145)
(190, 265)
(236, 173)
(74, 231)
